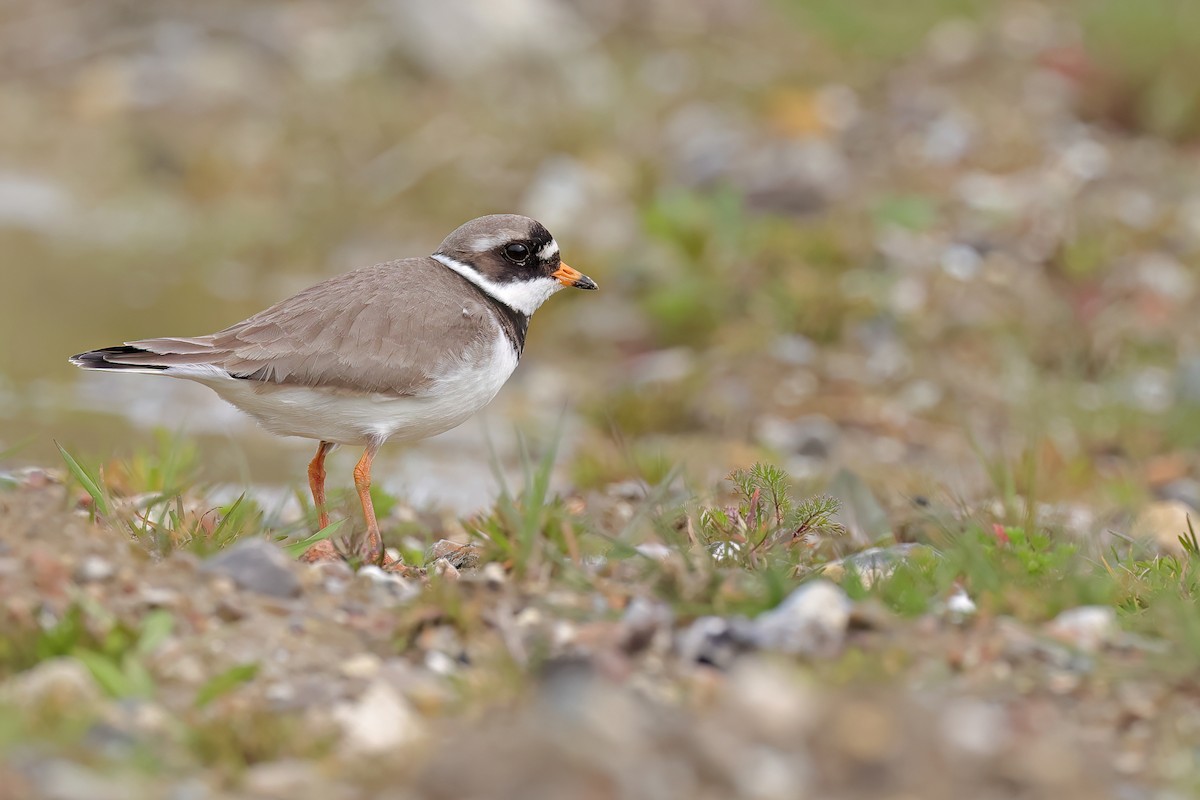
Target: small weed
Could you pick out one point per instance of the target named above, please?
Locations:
(145, 495)
(119, 664)
(765, 517)
(525, 529)
(113, 652)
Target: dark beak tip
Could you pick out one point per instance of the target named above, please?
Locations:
(585, 282)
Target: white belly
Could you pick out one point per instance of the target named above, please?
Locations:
(352, 418)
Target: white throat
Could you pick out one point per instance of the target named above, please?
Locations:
(523, 296)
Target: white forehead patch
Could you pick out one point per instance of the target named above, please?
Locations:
(484, 243)
(524, 296)
(548, 251)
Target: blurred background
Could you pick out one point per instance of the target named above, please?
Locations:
(915, 240)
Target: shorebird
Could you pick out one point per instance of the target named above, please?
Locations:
(398, 351)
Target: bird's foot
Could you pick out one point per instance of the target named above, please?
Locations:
(321, 551)
(324, 551)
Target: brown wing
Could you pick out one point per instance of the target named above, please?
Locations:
(377, 329)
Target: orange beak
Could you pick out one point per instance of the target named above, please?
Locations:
(569, 276)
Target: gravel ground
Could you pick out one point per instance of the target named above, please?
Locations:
(370, 685)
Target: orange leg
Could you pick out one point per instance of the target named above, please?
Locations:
(372, 552)
(316, 482)
(324, 549)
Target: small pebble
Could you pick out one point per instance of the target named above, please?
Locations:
(94, 569)
(1162, 524)
(1086, 628)
(654, 550)
(256, 565)
(456, 554)
(363, 665)
(158, 597)
(812, 620)
(379, 721)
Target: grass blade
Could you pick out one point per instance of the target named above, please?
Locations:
(226, 681)
(296, 549)
(90, 483)
(106, 673)
(156, 627)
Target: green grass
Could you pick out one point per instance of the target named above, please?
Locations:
(113, 651)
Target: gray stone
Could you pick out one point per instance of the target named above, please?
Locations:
(63, 780)
(459, 556)
(388, 587)
(1182, 490)
(874, 563)
(716, 641)
(445, 570)
(644, 620)
(257, 565)
(865, 519)
(812, 436)
(810, 621)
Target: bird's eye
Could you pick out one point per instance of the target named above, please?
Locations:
(516, 252)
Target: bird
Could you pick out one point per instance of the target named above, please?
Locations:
(398, 351)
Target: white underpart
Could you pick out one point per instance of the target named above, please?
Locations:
(523, 296)
(468, 383)
(548, 251)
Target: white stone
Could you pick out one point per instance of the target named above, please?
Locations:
(812, 620)
(975, 727)
(959, 603)
(94, 569)
(363, 665)
(379, 721)
(654, 550)
(1087, 628)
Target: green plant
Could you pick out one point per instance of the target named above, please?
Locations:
(766, 517)
(145, 495)
(297, 548)
(113, 651)
(529, 527)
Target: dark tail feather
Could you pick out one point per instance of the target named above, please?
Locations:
(113, 359)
